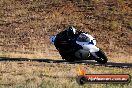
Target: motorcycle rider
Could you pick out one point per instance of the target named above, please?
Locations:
(73, 45)
(65, 42)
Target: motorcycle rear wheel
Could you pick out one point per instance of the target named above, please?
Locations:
(70, 59)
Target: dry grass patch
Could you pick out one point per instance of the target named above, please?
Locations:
(47, 75)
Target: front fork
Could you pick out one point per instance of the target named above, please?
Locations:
(85, 54)
(94, 54)
(93, 50)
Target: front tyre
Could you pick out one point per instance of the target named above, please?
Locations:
(102, 58)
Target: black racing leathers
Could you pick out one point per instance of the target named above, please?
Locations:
(66, 44)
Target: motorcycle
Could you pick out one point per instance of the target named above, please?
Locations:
(88, 51)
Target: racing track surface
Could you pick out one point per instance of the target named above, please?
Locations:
(89, 62)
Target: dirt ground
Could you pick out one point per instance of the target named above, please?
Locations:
(25, 26)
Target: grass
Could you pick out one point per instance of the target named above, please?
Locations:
(57, 75)
(25, 27)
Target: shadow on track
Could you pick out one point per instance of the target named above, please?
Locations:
(109, 64)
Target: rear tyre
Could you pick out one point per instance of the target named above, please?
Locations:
(102, 57)
(69, 59)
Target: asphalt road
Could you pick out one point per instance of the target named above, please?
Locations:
(90, 62)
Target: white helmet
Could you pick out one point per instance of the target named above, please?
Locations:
(71, 30)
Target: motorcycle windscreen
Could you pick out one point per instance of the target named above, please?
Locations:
(86, 39)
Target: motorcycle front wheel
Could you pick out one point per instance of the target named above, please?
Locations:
(102, 58)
